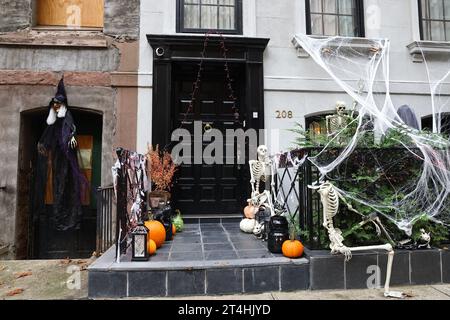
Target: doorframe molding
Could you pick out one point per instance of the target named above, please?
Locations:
(175, 48)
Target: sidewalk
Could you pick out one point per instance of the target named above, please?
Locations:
(49, 279)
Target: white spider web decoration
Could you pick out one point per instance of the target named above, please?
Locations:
(351, 65)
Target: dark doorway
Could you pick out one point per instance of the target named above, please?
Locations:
(216, 188)
(36, 239)
(207, 189)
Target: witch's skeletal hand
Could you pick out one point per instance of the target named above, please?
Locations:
(41, 149)
(73, 143)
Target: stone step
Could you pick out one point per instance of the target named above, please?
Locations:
(183, 278)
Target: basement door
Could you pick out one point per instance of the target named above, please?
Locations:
(218, 189)
(48, 243)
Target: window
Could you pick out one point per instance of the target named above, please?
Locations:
(434, 19)
(70, 13)
(204, 15)
(335, 18)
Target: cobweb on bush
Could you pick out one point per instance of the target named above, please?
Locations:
(363, 72)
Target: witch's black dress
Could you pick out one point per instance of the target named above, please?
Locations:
(68, 181)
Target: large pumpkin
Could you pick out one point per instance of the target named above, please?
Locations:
(156, 232)
(151, 247)
(292, 249)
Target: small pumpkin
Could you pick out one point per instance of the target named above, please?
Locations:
(156, 232)
(292, 249)
(247, 225)
(174, 229)
(250, 211)
(151, 247)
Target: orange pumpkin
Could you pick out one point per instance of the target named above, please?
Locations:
(250, 211)
(156, 232)
(151, 247)
(292, 249)
(174, 229)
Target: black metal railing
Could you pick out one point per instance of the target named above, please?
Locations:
(301, 202)
(105, 219)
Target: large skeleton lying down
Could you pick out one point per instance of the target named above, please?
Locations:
(330, 201)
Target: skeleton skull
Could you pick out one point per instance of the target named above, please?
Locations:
(262, 152)
(258, 229)
(340, 108)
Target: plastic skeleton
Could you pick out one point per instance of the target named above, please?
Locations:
(338, 121)
(330, 197)
(259, 170)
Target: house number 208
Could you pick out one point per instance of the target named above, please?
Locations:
(283, 114)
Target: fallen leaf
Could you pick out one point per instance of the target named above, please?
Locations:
(2, 268)
(19, 275)
(14, 292)
(66, 261)
(96, 254)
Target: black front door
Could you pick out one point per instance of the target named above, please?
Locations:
(217, 188)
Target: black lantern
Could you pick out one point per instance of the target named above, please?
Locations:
(278, 233)
(139, 243)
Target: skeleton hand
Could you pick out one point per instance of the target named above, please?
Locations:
(41, 149)
(73, 143)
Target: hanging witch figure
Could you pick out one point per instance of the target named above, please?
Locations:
(59, 182)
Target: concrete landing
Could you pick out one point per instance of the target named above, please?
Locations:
(205, 259)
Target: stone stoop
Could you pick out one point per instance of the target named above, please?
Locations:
(185, 278)
(213, 257)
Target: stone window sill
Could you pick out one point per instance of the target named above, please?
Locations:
(416, 48)
(55, 38)
(363, 45)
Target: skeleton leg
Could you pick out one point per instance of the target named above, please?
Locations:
(390, 250)
(252, 177)
(269, 200)
(388, 271)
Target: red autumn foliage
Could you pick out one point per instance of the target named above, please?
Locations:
(161, 168)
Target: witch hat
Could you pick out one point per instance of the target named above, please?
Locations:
(61, 95)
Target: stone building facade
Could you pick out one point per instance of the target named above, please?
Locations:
(99, 66)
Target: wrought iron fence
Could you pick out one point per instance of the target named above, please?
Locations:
(105, 218)
(292, 180)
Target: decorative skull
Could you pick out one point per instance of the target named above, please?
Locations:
(340, 108)
(262, 152)
(257, 230)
